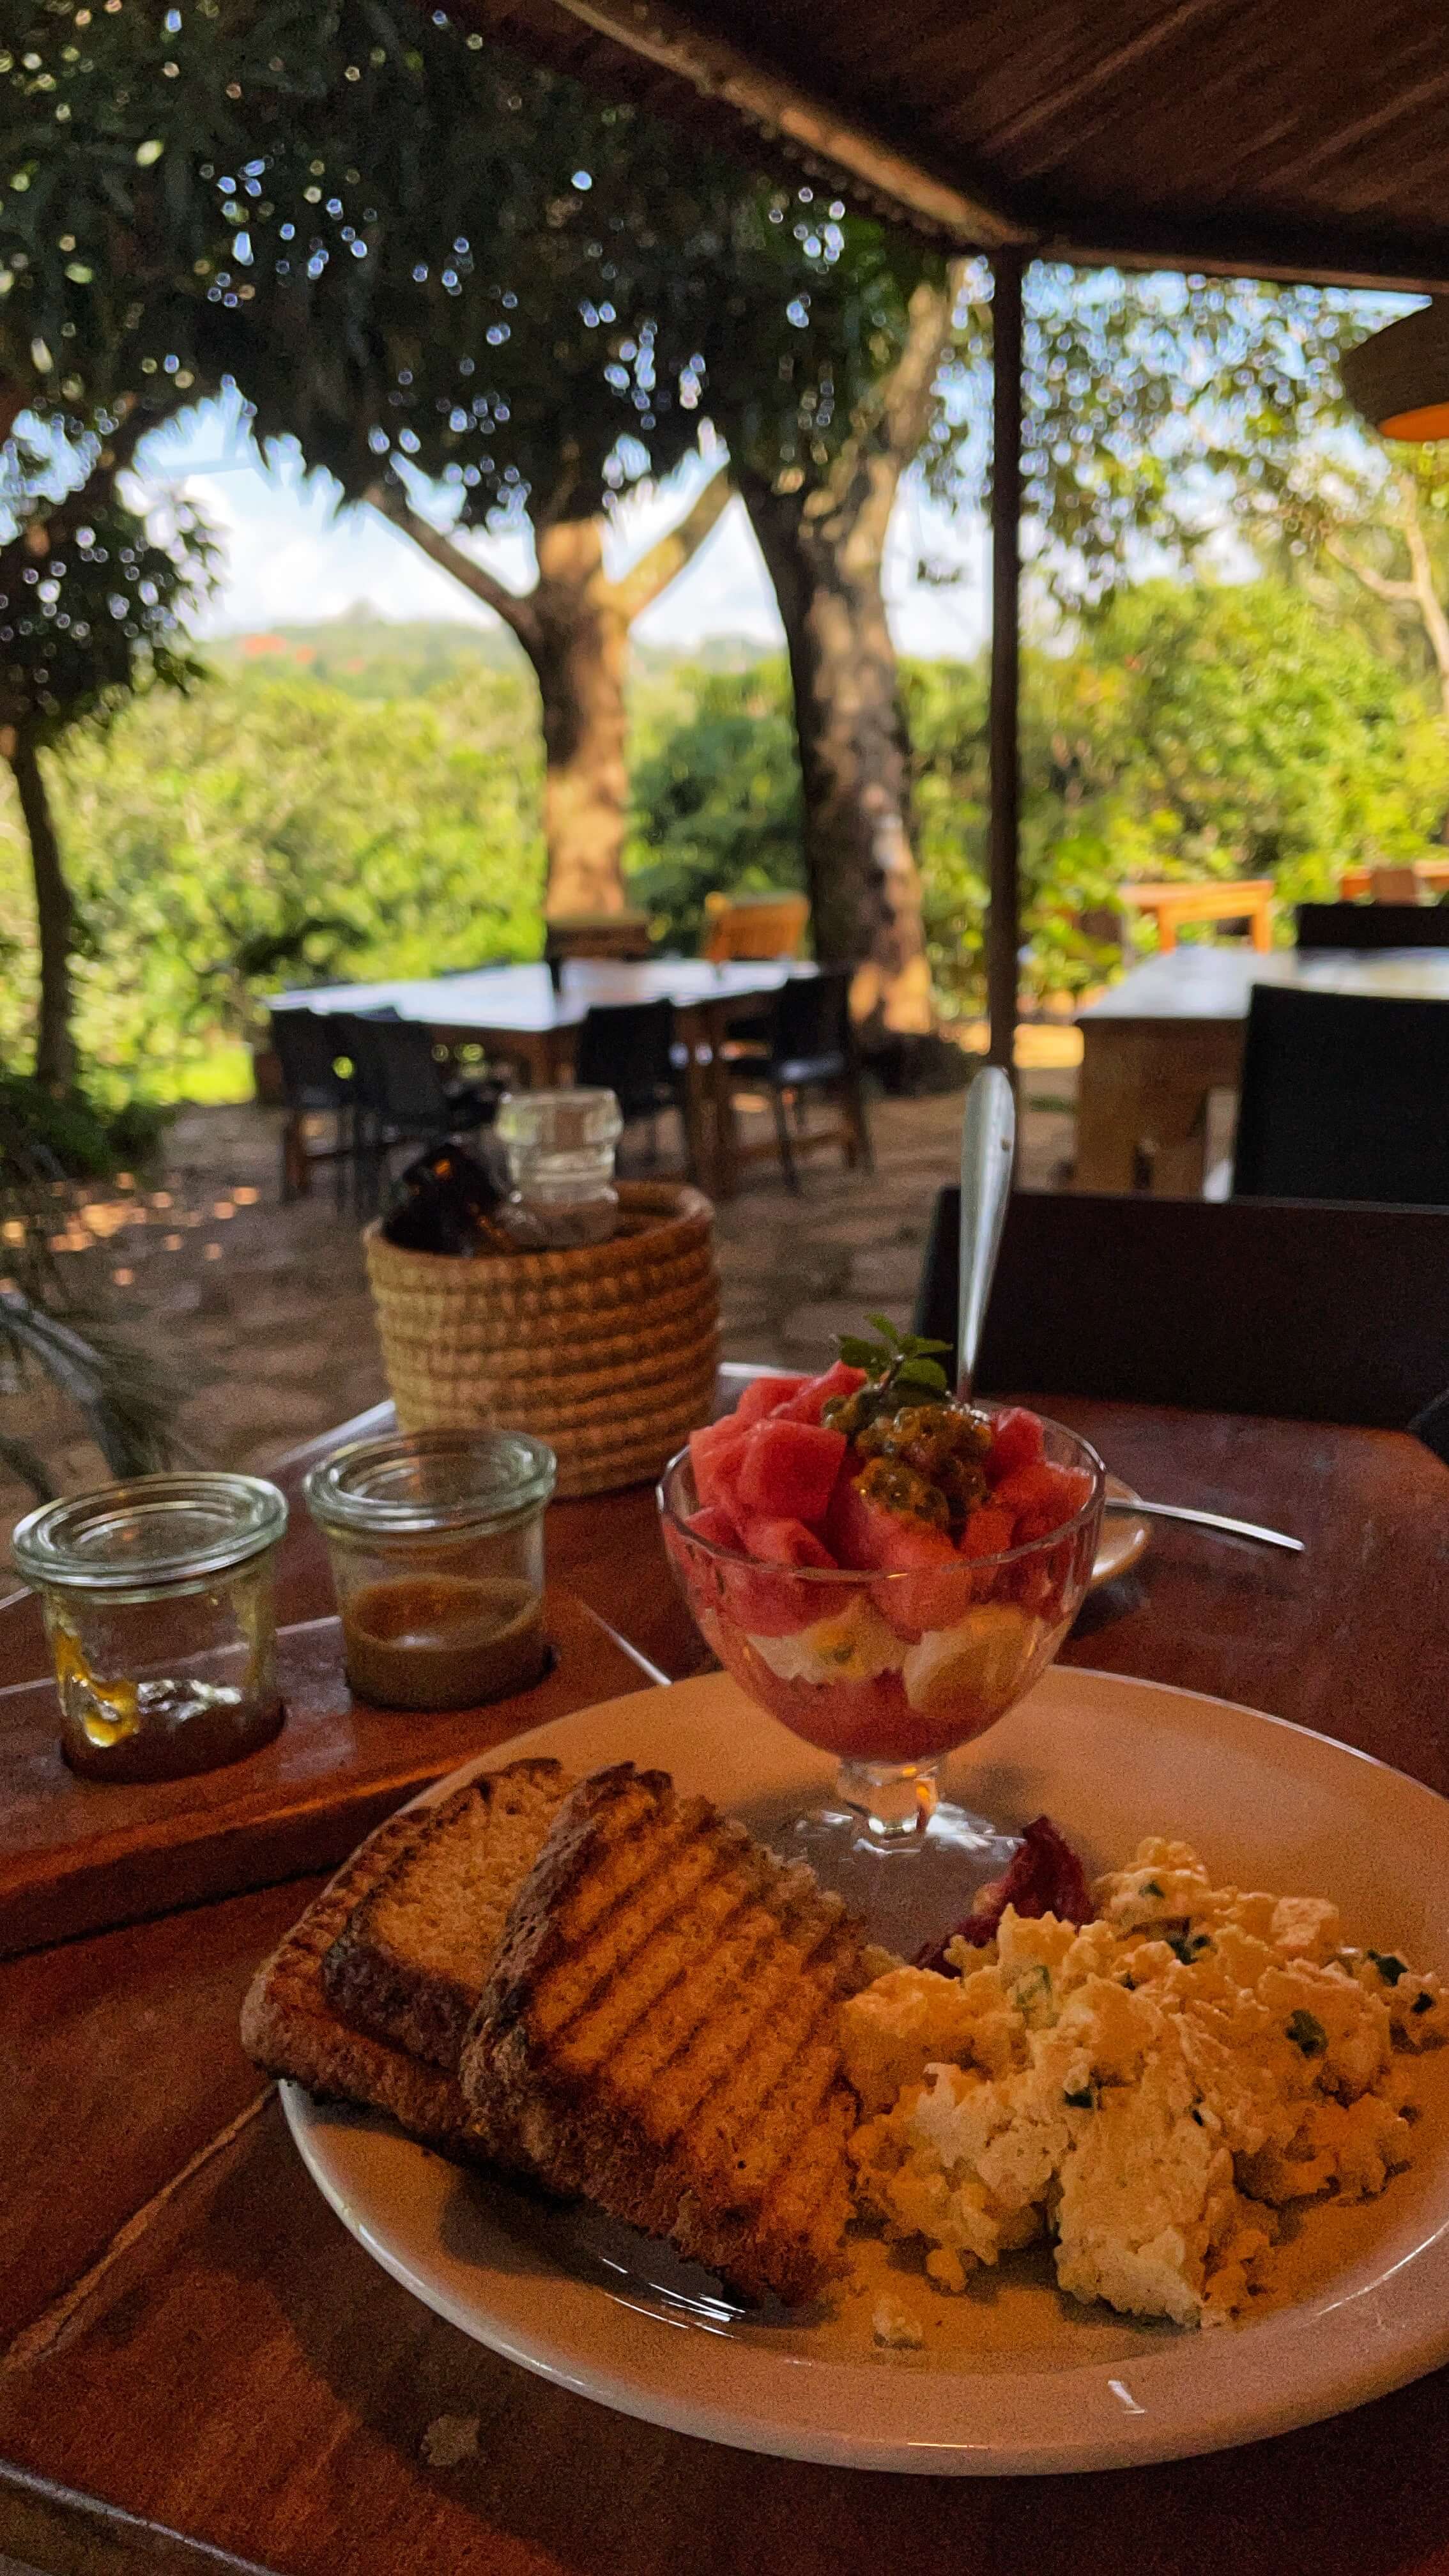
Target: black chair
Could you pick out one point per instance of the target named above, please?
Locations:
(630, 1048)
(1344, 1097)
(811, 1047)
(403, 1093)
(313, 1085)
(1314, 1313)
(1372, 925)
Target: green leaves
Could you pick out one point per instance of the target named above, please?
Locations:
(372, 226)
(902, 1363)
(1307, 2032)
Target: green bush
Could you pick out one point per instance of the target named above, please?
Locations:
(716, 793)
(86, 1141)
(275, 830)
(268, 832)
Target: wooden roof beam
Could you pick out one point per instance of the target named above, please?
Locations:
(972, 218)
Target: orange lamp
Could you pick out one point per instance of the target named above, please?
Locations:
(1399, 379)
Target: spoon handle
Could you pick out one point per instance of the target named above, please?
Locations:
(988, 1145)
(1132, 1505)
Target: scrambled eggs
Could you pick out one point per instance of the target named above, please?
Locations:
(1148, 2090)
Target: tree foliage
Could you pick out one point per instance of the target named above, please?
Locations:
(273, 831)
(1196, 730)
(407, 247)
(91, 598)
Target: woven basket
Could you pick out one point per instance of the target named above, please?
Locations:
(608, 1352)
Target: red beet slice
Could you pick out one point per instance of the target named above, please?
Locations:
(1045, 1877)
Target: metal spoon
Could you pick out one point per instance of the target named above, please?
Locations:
(988, 1141)
(988, 1147)
(1132, 1505)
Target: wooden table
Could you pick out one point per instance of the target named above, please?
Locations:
(1248, 899)
(205, 2373)
(1432, 874)
(520, 1013)
(1172, 1031)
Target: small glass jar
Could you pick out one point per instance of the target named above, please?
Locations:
(436, 1540)
(560, 1148)
(159, 1599)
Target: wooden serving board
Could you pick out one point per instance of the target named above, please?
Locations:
(82, 1855)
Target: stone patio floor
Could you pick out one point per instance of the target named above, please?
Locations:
(265, 1308)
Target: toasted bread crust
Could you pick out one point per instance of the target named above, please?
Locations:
(384, 1973)
(605, 2050)
(289, 2028)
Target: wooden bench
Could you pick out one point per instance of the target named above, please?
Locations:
(1248, 899)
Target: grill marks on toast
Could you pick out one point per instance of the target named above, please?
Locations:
(662, 2030)
(409, 1964)
(289, 2028)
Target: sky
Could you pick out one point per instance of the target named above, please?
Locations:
(290, 557)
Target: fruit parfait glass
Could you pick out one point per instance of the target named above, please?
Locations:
(887, 1570)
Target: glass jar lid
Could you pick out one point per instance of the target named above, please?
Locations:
(532, 1123)
(150, 1532)
(409, 1483)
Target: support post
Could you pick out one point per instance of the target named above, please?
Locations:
(1003, 918)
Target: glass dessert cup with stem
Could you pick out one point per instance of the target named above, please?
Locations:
(891, 1672)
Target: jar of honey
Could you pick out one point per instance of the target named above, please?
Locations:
(159, 1606)
(436, 1540)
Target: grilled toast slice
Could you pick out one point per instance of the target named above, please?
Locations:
(410, 1962)
(659, 2033)
(289, 2028)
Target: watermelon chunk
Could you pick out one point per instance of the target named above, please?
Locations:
(1017, 1441)
(817, 1392)
(714, 1526)
(1043, 1489)
(715, 1454)
(867, 1535)
(785, 1542)
(788, 1470)
(762, 1395)
(988, 1532)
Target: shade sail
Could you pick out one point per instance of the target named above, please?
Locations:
(1279, 137)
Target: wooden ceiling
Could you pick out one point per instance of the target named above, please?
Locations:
(1277, 137)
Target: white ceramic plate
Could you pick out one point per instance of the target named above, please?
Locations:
(1122, 1540)
(1014, 2378)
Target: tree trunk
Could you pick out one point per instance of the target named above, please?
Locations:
(1421, 586)
(574, 626)
(824, 543)
(580, 654)
(824, 559)
(55, 920)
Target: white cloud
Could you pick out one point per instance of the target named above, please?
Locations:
(290, 556)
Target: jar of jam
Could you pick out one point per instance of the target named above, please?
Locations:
(436, 1540)
(159, 1600)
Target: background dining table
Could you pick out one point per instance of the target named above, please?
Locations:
(530, 1017)
(202, 2371)
(1171, 1032)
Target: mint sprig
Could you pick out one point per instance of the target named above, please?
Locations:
(896, 1360)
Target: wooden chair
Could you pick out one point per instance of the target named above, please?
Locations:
(1394, 885)
(1315, 1313)
(1372, 925)
(602, 935)
(1344, 1096)
(753, 926)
